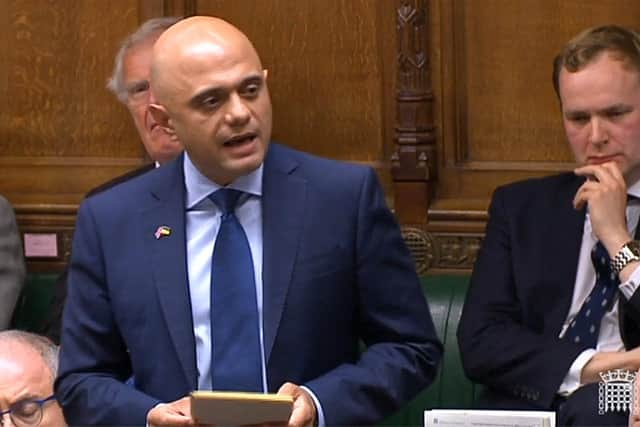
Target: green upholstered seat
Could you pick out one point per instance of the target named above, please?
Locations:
(35, 302)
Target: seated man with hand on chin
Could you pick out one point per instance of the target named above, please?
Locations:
(554, 298)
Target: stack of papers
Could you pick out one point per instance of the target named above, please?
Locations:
(478, 418)
(237, 408)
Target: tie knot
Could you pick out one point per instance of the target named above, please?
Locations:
(225, 199)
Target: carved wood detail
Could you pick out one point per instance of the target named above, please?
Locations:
(439, 252)
(414, 158)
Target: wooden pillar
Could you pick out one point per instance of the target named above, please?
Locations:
(413, 162)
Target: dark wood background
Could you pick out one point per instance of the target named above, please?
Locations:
(446, 99)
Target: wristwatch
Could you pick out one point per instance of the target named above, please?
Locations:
(629, 252)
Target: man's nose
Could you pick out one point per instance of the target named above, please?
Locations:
(598, 132)
(237, 112)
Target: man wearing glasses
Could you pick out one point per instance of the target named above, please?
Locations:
(28, 365)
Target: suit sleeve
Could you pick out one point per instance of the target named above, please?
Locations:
(498, 349)
(403, 350)
(12, 268)
(94, 362)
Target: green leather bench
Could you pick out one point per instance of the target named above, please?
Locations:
(446, 293)
(34, 304)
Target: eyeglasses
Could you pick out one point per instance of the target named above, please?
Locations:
(26, 413)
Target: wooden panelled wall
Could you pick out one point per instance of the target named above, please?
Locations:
(446, 99)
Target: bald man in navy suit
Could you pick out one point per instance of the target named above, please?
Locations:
(330, 268)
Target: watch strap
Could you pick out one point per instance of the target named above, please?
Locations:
(629, 252)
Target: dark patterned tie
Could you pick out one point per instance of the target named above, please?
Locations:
(235, 363)
(585, 327)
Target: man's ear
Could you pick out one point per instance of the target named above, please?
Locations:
(160, 115)
(265, 73)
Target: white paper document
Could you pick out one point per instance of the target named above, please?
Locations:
(479, 418)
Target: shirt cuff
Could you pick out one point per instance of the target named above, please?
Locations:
(572, 380)
(629, 287)
(321, 422)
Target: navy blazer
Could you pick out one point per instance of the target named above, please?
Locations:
(335, 271)
(520, 294)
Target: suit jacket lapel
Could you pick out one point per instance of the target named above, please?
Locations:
(283, 202)
(169, 261)
(566, 231)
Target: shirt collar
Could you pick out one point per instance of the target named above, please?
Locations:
(199, 186)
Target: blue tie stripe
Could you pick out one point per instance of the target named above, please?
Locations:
(585, 327)
(235, 342)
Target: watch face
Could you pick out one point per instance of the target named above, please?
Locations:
(634, 246)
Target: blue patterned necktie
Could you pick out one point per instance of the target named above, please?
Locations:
(585, 327)
(235, 362)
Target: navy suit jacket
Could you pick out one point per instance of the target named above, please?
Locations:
(335, 271)
(521, 291)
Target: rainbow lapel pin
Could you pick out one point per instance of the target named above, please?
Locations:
(162, 231)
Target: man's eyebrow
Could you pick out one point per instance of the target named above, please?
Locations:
(252, 78)
(616, 108)
(608, 109)
(576, 113)
(25, 397)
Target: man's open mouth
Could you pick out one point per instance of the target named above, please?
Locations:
(240, 139)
